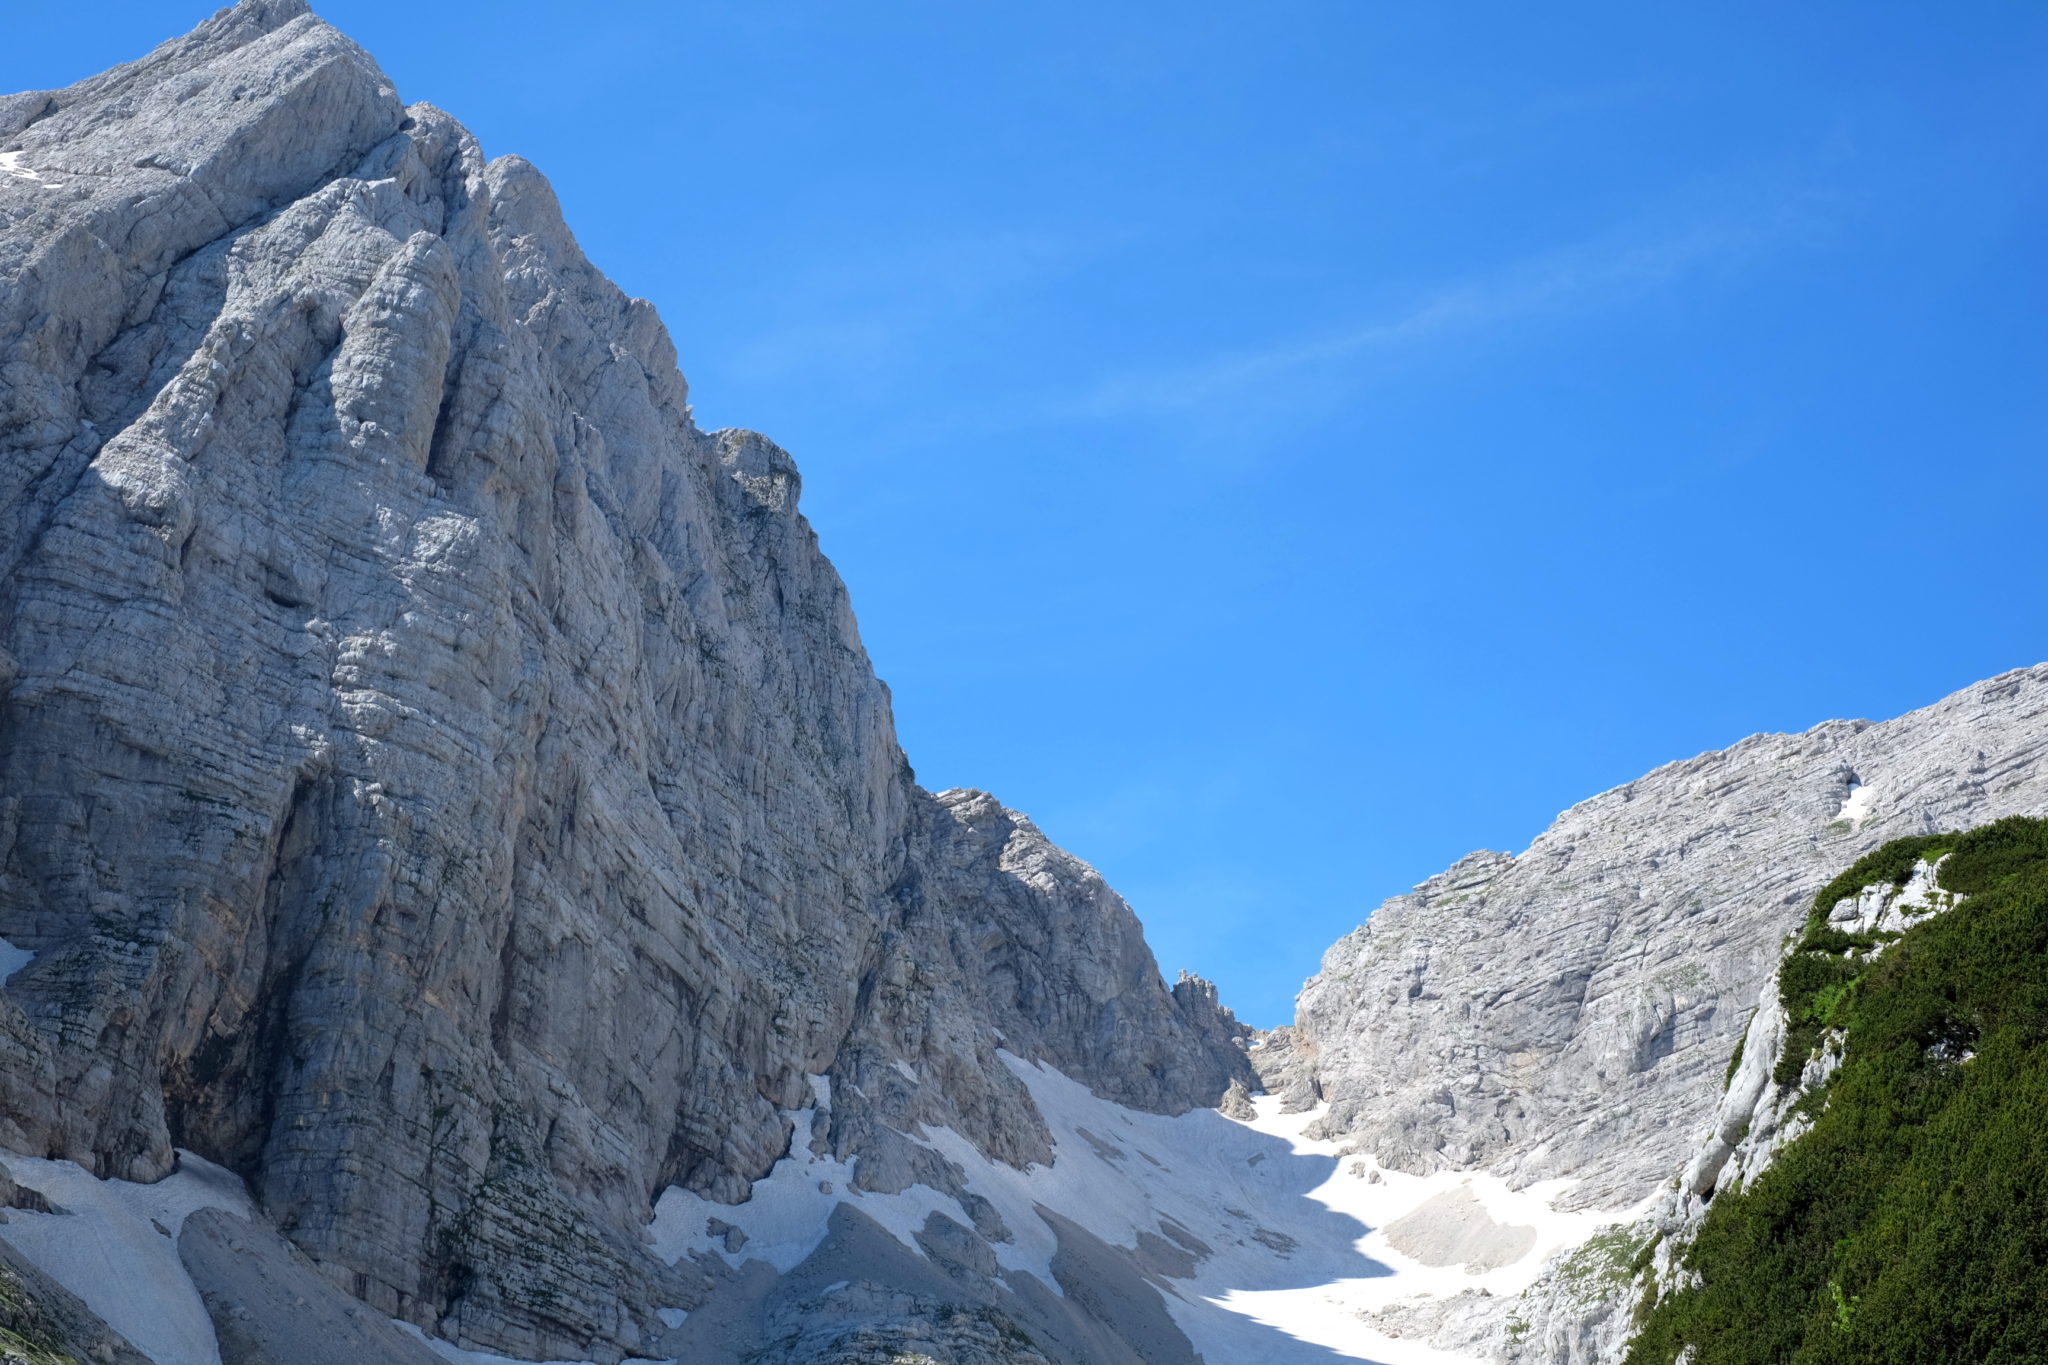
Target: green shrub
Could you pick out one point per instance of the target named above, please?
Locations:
(1910, 1224)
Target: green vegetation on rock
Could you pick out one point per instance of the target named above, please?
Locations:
(1908, 1225)
(1610, 1257)
(28, 1334)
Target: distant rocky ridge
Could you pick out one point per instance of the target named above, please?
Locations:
(1568, 1012)
(438, 781)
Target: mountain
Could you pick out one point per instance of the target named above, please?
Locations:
(1880, 1201)
(443, 786)
(1571, 1018)
(1567, 1012)
(462, 899)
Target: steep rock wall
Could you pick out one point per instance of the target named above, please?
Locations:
(436, 779)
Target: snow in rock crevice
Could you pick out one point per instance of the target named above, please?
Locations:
(1857, 806)
(10, 164)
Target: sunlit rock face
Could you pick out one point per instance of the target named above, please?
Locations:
(438, 781)
(444, 787)
(1569, 1012)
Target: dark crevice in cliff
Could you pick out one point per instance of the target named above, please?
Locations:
(220, 1098)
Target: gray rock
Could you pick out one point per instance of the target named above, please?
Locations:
(1568, 1012)
(1454, 1228)
(271, 1307)
(13, 1196)
(1113, 1290)
(441, 782)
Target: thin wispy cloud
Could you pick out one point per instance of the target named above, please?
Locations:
(1587, 277)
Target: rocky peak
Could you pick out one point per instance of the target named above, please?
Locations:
(443, 784)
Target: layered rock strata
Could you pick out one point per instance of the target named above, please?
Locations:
(1592, 1318)
(437, 780)
(1568, 1012)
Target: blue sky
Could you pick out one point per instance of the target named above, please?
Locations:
(1282, 448)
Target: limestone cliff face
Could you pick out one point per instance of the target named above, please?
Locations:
(1570, 1011)
(437, 780)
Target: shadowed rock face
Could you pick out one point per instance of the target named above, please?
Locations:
(1569, 1012)
(436, 779)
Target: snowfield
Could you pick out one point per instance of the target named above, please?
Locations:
(114, 1245)
(1302, 1240)
(1270, 1246)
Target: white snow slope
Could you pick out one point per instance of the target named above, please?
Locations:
(114, 1244)
(1297, 1231)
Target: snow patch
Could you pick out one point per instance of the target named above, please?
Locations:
(13, 959)
(10, 164)
(1856, 808)
(1330, 1314)
(113, 1243)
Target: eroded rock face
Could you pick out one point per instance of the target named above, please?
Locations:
(436, 779)
(1591, 1319)
(1569, 1012)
